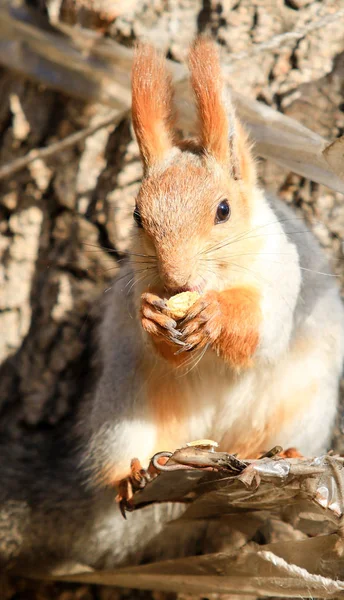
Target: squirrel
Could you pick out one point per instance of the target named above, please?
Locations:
(255, 361)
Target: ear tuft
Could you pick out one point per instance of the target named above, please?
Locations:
(221, 135)
(152, 106)
(207, 83)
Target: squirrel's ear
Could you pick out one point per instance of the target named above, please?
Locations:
(220, 134)
(152, 111)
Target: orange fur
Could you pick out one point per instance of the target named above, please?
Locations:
(168, 351)
(207, 84)
(206, 80)
(169, 407)
(152, 113)
(229, 321)
(111, 474)
(291, 453)
(168, 401)
(178, 200)
(241, 317)
(248, 170)
(188, 190)
(220, 133)
(253, 441)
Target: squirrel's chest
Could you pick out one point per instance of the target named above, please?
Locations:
(187, 406)
(211, 403)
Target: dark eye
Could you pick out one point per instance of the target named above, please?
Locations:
(137, 217)
(223, 212)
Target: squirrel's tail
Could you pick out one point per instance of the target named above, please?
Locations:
(51, 519)
(43, 498)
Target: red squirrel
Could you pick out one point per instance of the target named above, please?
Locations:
(255, 362)
(257, 359)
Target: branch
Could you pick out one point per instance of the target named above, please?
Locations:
(277, 41)
(238, 494)
(96, 69)
(42, 153)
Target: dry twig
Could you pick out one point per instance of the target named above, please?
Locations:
(98, 70)
(277, 41)
(306, 495)
(42, 153)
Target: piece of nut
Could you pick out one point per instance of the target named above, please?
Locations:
(179, 304)
(210, 444)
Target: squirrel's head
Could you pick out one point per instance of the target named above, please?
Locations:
(196, 195)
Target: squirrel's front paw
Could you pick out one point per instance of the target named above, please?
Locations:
(155, 322)
(228, 322)
(203, 322)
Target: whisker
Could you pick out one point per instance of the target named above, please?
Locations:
(255, 254)
(214, 260)
(127, 254)
(278, 233)
(111, 269)
(141, 255)
(133, 265)
(117, 279)
(129, 257)
(134, 269)
(318, 272)
(196, 362)
(144, 270)
(257, 276)
(136, 282)
(99, 248)
(250, 237)
(189, 360)
(101, 251)
(241, 236)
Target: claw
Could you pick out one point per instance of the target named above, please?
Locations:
(178, 343)
(186, 348)
(160, 466)
(175, 331)
(127, 486)
(169, 324)
(154, 300)
(122, 507)
(273, 452)
(193, 313)
(124, 496)
(159, 303)
(125, 506)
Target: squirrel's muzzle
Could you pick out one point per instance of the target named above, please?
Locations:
(176, 271)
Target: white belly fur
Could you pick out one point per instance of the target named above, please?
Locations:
(291, 403)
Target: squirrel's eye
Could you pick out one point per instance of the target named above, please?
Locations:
(137, 217)
(223, 212)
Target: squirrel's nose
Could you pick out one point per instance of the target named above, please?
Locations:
(175, 285)
(175, 281)
(172, 291)
(193, 285)
(175, 269)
